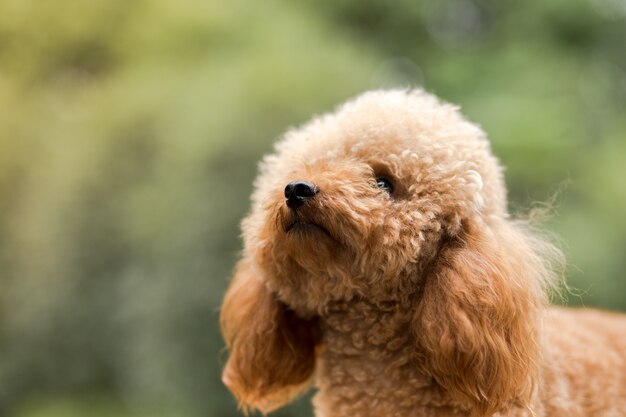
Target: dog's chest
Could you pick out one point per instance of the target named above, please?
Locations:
(367, 368)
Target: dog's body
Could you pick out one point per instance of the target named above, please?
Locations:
(381, 266)
(366, 370)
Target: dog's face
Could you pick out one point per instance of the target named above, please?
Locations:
(356, 203)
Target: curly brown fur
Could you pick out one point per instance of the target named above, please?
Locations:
(428, 300)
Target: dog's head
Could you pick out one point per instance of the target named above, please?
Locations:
(355, 203)
(395, 197)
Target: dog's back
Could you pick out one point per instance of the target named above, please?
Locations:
(583, 371)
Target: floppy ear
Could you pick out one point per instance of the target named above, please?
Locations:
(272, 351)
(477, 322)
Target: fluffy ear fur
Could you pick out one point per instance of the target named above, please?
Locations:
(477, 324)
(272, 351)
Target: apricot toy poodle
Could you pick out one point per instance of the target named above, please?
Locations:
(381, 266)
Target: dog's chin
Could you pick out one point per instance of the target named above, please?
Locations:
(307, 229)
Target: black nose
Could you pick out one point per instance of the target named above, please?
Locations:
(297, 192)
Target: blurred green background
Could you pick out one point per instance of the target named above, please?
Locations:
(130, 132)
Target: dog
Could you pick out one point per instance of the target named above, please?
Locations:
(381, 266)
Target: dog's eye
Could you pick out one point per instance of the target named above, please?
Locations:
(384, 184)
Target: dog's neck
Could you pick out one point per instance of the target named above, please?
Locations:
(367, 365)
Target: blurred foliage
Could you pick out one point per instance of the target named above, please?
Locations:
(130, 131)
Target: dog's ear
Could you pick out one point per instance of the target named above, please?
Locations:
(272, 351)
(477, 323)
